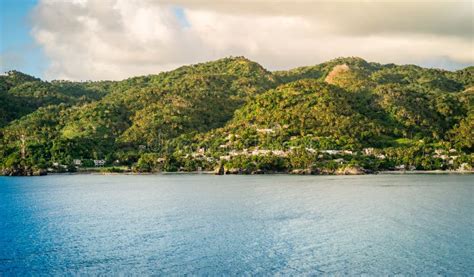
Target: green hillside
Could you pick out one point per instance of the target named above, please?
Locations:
(343, 116)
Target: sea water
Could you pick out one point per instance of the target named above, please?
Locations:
(237, 225)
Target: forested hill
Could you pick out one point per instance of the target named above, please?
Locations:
(343, 116)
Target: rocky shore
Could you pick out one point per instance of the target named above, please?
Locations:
(349, 170)
(25, 171)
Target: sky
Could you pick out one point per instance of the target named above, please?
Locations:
(116, 39)
(18, 49)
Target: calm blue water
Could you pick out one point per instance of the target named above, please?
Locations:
(237, 225)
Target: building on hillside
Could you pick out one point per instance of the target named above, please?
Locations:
(331, 152)
(99, 162)
(266, 130)
(368, 151)
(226, 158)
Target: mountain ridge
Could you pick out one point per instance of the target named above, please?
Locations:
(162, 122)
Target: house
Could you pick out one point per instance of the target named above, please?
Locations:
(227, 157)
(331, 152)
(236, 153)
(99, 162)
(368, 151)
(210, 159)
(400, 167)
(266, 131)
(257, 152)
(443, 157)
(280, 153)
(403, 167)
(225, 145)
(196, 155)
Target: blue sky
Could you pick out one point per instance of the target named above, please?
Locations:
(17, 47)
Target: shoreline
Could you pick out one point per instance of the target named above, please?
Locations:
(384, 172)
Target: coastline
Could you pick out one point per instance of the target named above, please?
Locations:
(384, 172)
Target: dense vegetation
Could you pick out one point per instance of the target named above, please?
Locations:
(344, 116)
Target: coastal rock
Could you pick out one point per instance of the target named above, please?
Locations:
(23, 171)
(233, 171)
(258, 171)
(39, 172)
(220, 170)
(325, 171)
(465, 167)
(306, 171)
(351, 170)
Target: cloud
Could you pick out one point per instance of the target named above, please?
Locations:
(356, 16)
(115, 39)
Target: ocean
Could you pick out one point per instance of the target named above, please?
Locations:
(198, 224)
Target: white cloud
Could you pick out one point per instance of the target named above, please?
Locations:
(115, 39)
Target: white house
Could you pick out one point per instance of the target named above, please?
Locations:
(331, 152)
(368, 151)
(99, 162)
(266, 130)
